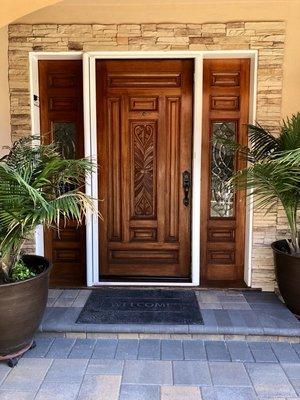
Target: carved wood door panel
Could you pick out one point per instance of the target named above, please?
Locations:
(223, 212)
(144, 116)
(61, 121)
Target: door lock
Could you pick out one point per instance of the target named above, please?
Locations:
(186, 184)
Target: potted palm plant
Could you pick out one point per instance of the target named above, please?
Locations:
(273, 178)
(37, 186)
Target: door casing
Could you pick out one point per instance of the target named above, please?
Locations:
(90, 125)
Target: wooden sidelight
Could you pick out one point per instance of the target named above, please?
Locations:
(144, 117)
(61, 121)
(223, 212)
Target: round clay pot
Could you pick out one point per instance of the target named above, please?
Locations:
(22, 305)
(287, 269)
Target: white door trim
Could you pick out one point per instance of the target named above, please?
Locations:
(90, 141)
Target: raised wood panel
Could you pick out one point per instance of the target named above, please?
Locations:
(60, 80)
(143, 136)
(221, 235)
(69, 255)
(68, 234)
(115, 185)
(226, 79)
(143, 234)
(144, 154)
(172, 167)
(225, 112)
(144, 256)
(229, 103)
(220, 257)
(144, 80)
(144, 104)
(62, 104)
(61, 112)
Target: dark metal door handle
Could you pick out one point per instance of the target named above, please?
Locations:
(186, 184)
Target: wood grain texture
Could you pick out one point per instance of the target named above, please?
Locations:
(225, 99)
(144, 117)
(60, 85)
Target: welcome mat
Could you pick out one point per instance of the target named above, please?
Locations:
(137, 306)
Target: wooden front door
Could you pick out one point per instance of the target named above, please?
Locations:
(225, 115)
(144, 114)
(61, 120)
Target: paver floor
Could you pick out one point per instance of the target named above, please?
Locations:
(132, 369)
(223, 311)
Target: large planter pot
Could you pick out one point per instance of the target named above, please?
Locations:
(22, 305)
(287, 269)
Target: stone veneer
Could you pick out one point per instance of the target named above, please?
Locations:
(266, 37)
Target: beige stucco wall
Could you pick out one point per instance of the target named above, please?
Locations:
(11, 10)
(4, 92)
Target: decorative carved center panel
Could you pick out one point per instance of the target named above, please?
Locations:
(143, 138)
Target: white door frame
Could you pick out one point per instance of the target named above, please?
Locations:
(90, 142)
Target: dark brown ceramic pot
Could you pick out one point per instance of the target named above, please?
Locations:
(22, 305)
(287, 268)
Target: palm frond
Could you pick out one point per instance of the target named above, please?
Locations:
(38, 186)
(274, 172)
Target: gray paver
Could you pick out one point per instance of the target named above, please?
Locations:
(127, 349)
(66, 370)
(217, 351)
(262, 352)
(105, 367)
(100, 387)
(42, 347)
(223, 319)
(191, 373)
(105, 348)
(61, 319)
(171, 350)
(293, 373)
(4, 370)
(296, 347)
(69, 294)
(234, 305)
(139, 392)
(54, 293)
(60, 348)
(209, 319)
(209, 306)
(180, 393)
(229, 374)
(63, 391)
(194, 350)
(29, 374)
(16, 395)
(81, 298)
(239, 351)
(228, 393)
(148, 372)
(257, 313)
(83, 348)
(149, 349)
(269, 380)
(208, 296)
(285, 353)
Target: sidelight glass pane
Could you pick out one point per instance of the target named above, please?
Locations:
(222, 169)
(64, 134)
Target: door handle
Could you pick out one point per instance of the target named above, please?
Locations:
(186, 184)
